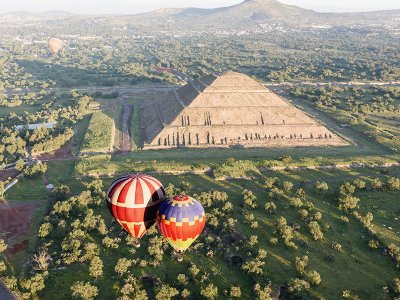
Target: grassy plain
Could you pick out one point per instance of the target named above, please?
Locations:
(98, 137)
(356, 268)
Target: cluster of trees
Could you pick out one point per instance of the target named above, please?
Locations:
(352, 99)
(17, 143)
(75, 232)
(349, 203)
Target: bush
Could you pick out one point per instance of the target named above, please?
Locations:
(336, 246)
(3, 246)
(270, 207)
(298, 286)
(235, 292)
(85, 291)
(315, 230)
(209, 292)
(166, 292)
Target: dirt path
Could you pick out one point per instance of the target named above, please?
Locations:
(15, 221)
(65, 152)
(5, 293)
(125, 140)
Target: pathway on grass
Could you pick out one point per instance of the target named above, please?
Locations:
(125, 140)
(5, 293)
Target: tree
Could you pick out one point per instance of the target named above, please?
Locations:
(271, 181)
(235, 292)
(321, 186)
(315, 230)
(185, 186)
(347, 188)
(314, 277)
(194, 270)
(376, 184)
(373, 244)
(298, 286)
(393, 183)
(182, 279)
(2, 187)
(44, 229)
(296, 202)
(185, 293)
(3, 267)
(96, 267)
(3, 246)
(122, 266)
(396, 285)
(254, 266)
(301, 263)
(41, 260)
(19, 166)
(348, 202)
(61, 192)
(166, 292)
(263, 293)
(249, 198)
(270, 207)
(287, 186)
(96, 186)
(358, 183)
(85, 291)
(209, 292)
(317, 216)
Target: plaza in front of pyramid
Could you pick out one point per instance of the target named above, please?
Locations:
(227, 111)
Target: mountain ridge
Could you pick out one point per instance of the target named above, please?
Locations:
(249, 15)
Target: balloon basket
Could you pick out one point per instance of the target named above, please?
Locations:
(179, 256)
(137, 244)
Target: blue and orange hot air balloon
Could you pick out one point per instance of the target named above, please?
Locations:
(133, 200)
(180, 220)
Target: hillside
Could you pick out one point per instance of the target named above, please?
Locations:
(249, 15)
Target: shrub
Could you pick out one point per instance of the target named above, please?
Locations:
(321, 186)
(301, 263)
(209, 292)
(298, 286)
(336, 246)
(166, 292)
(315, 230)
(235, 292)
(296, 202)
(314, 277)
(270, 207)
(85, 291)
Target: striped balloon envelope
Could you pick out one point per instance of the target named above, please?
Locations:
(180, 220)
(133, 201)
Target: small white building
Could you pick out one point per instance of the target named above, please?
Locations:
(34, 126)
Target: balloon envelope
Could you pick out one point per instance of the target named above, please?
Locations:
(55, 44)
(180, 220)
(133, 201)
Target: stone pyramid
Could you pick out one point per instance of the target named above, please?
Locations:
(226, 111)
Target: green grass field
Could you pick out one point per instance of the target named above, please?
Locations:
(98, 137)
(356, 268)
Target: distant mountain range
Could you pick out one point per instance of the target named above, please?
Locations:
(248, 15)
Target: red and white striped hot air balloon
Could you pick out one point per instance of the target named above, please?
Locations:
(133, 201)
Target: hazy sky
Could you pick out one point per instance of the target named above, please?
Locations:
(137, 6)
